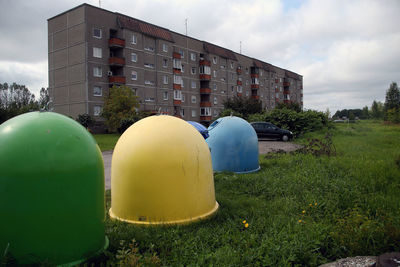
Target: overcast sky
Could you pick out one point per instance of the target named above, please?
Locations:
(348, 51)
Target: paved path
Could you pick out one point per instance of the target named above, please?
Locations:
(264, 147)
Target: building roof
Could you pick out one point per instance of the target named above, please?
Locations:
(292, 75)
(145, 28)
(217, 50)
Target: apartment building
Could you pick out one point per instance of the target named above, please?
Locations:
(92, 49)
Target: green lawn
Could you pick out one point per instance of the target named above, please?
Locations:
(301, 210)
(106, 141)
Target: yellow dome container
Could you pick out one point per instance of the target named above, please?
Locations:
(161, 173)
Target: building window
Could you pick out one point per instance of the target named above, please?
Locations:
(177, 79)
(133, 57)
(147, 82)
(205, 70)
(149, 65)
(149, 99)
(182, 53)
(177, 63)
(277, 95)
(215, 60)
(193, 56)
(165, 95)
(96, 110)
(247, 70)
(193, 71)
(183, 98)
(97, 52)
(165, 47)
(239, 89)
(193, 84)
(205, 111)
(134, 91)
(280, 80)
(232, 65)
(247, 82)
(182, 112)
(182, 83)
(97, 91)
(177, 95)
(215, 100)
(261, 72)
(215, 113)
(214, 86)
(97, 72)
(97, 33)
(215, 73)
(223, 79)
(149, 48)
(134, 39)
(183, 68)
(232, 88)
(194, 113)
(165, 79)
(222, 66)
(194, 99)
(165, 63)
(247, 93)
(134, 75)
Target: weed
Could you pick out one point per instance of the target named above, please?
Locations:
(319, 147)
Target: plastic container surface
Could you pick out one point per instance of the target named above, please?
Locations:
(161, 173)
(52, 205)
(234, 145)
(200, 127)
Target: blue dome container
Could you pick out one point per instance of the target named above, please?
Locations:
(234, 145)
(199, 127)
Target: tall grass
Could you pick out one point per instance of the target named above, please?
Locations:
(301, 209)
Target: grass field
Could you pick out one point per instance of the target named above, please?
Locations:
(300, 209)
(106, 141)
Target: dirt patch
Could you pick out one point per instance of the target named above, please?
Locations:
(265, 147)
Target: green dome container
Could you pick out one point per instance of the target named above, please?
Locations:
(52, 205)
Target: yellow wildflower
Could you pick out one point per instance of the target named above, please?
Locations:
(300, 221)
(315, 204)
(303, 211)
(246, 225)
(310, 205)
(244, 221)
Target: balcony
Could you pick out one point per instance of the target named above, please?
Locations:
(205, 91)
(177, 71)
(254, 75)
(177, 86)
(117, 79)
(204, 62)
(177, 102)
(116, 43)
(205, 104)
(255, 86)
(239, 82)
(205, 77)
(205, 118)
(176, 55)
(276, 80)
(286, 101)
(239, 94)
(239, 71)
(116, 61)
(255, 97)
(286, 84)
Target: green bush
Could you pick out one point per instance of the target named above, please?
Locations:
(297, 122)
(257, 117)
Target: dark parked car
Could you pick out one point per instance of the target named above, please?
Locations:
(268, 130)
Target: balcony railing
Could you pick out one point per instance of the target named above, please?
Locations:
(286, 84)
(239, 94)
(254, 75)
(117, 79)
(177, 86)
(116, 42)
(176, 55)
(204, 62)
(116, 61)
(205, 104)
(255, 86)
(205, 77)
(255, 96)
(177, 71)
(239, 71)
(177, 102)
(205, 118)
(239, 82)
(205, 91)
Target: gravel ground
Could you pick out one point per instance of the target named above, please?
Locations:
(267, 146)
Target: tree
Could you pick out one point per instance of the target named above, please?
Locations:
(392, 103)
(365, 113)
(120, 104)
(377, 110)
(44, 99)
(243, 105)
(291, 105)
(85, 120)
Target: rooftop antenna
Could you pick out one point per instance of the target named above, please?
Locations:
(186, 23)
(240, 47)
(99, 3)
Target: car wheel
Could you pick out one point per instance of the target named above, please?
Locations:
(285, 137)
